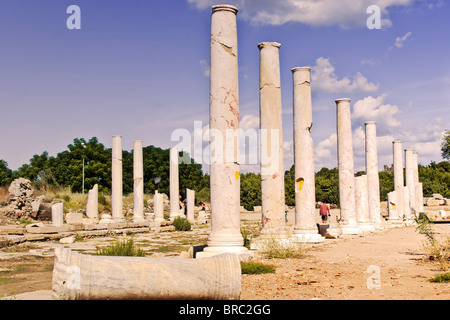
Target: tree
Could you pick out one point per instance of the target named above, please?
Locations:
(445, 145)
(5, 173)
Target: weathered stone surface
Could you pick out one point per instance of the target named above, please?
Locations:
(305, 229)
(346, 168)
(138, 278)
(74, 218)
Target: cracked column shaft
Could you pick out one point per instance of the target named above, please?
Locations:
(398, 180)
(373, 180)
(272, 168)
(116, 179)
(346, 168)
(138, 182)
(224, 124)
(174, 185)
(305, 193)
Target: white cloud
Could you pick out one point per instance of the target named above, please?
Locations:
(400, 41)
(344, 13)
(205, 68)
(249, 121)
(374, 109)
(325, 153)
(325, 79)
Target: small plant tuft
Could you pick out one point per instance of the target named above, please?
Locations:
(181, 224)
(442, 278)
(121, 248)
(256, 268)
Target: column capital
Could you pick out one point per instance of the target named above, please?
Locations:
(308, 69)
(268, 44)
(370, 123)
(224, 7)
(343, 100)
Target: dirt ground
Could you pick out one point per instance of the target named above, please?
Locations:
(337, 269)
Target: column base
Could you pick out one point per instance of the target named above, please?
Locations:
(351, 229)
(395, 223)
(242, 252)
(366, 227)
(307, 237)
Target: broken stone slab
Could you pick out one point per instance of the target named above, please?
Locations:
(144, 278)
(74, 218)
(44, 229)
(67, 240)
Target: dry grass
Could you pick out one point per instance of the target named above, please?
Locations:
(276, 248)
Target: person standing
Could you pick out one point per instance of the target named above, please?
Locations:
(324, 212)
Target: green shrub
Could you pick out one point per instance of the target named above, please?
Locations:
(256, 268)
(181, 224)
(442, 278)
(121, 248)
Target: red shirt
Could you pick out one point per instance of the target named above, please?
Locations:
(324, 210)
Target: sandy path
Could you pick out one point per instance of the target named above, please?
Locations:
(338, 269)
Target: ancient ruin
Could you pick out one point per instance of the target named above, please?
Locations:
(305, 197)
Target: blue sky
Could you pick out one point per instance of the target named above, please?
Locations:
(139, 68)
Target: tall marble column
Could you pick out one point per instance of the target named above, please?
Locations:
(346, 168)
(92, 203)
(138, 182)
(410, 182)
(398, 181)
(362, 204)
(174, 185)
(305, 229)
(158, 207)
(421, 209)
(392, 207)
(116, 180)
(272, 167)
(190, 202)
(373, 180)
(224, 120)
(416, 183)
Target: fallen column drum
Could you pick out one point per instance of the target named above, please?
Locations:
(90, 277)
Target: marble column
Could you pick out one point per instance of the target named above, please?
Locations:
(421, 209)
(92, 203)
(174, 185)
(158, 207)
(116, 180)
(416, 183)
(362, 204)
(415, 158)
(392, 207)
(272, 167)
(346, 168)
(138, 182)
(398, 181)
(373, 181)
(410, 182)
(57, 214)
(305, 229)
(225, 233)
(190, 202)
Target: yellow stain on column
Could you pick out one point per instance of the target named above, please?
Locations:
(236, 175)
(300, 184)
